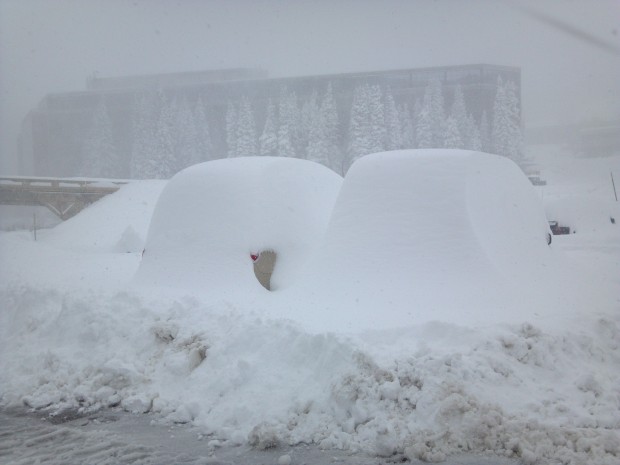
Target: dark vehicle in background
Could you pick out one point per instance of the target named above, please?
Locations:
(557, 229)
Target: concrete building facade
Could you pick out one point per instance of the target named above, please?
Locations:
(52, 135)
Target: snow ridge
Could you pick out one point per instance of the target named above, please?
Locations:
(433, 400)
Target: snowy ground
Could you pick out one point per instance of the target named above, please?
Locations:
(76, 335)
(115, 437)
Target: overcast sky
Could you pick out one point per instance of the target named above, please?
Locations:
(568, 50)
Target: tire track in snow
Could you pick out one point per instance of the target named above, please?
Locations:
(119, 438)
(26, 439)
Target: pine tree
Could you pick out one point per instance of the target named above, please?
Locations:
(308, 119)
(473, 142)
(500, 131)
(268, 140)
(452, 135)
(376, 119)
(143, 135)
(294, 118)
(393, 125)
(424, 129)
(331, 128)
(430, 124)
(485, 133)
(317, 149)
(186, 146)
(165, 163)
(285, 145)
(359, 130)
(288, 124)
(246, 130)
(406, 124)
(367, 131)
(506, 132)
(515, 149)
(205, 146)
(101, 157)
(231, 130)
(458, 111)
(417, 111)
(287, 127)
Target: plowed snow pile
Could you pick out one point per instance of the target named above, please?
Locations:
(363, 347)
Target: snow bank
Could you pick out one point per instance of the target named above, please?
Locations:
(115, 223)
(14, 218)
(98, 248)
(424, 393)
(211, 217)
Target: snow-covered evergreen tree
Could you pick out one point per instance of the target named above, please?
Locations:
(515, 150)
(500, 131)
(485, 133)
(506, 132)
(246, 130)
(187, 150)
(231, 130)
(435, 104)
(203, 133)
(367, 132)
(452, 135)
(424, 129)
(143, 135)
(268, 141)
(288, 124)
(376, 119)
(458, 111)
(285, 145)
(393, 125)
(359, 127)
(417, 111)
(317, 149)
(331, 128)
(309, 122)
(430, 124)
(101, 158)
(473, 135)
(165, 163)
(407, 127)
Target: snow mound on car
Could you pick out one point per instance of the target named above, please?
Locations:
(211, 217)
(423, 235)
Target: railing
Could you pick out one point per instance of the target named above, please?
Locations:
(64, 197)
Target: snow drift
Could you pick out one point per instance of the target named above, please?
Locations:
(117, 223)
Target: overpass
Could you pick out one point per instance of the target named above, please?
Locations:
(65, 197)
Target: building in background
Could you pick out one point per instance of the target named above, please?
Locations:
(56, 136)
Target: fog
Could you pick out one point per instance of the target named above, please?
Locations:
(567, 50)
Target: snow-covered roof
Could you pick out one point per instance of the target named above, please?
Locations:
(211, 217)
